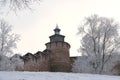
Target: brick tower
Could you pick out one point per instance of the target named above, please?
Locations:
(59, 57)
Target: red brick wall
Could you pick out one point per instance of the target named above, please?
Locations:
(36, 64)
(59, 60)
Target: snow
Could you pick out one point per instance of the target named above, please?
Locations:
(53, 76)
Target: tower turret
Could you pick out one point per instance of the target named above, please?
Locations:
(60, 60)
(56, 36)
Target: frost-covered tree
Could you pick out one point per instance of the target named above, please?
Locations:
(17, 4)
(8, 39)
(8, 42)
(84, 64)
(11, 64)
(81, 65)
(99, 42)
(17, 62)
(6, 64)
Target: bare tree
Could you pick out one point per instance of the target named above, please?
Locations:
(100, 41)
(8, 39)
(18, 4)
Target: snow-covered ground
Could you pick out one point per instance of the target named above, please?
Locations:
(53, 76)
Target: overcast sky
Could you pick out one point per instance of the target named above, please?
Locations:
(37, 25)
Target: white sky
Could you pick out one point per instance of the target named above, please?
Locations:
(36, 26)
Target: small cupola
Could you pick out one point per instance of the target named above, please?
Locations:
(57, 30)
(57, 36)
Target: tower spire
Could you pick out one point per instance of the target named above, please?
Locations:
(57, 30)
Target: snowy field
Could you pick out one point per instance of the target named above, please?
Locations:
(53, 76)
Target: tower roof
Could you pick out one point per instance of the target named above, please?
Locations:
(56, 36)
